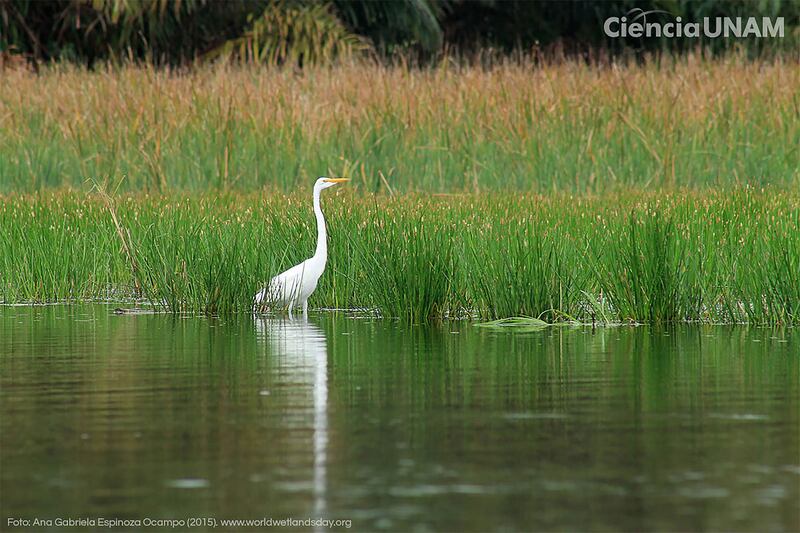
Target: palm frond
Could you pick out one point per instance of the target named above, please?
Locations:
(292, 32)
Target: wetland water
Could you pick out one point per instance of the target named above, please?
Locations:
(395, 427)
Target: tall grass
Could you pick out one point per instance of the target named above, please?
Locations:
(640, 267)
(408, 262)
(711, 256)
(662, 157)
(524, 265)
(686, 122)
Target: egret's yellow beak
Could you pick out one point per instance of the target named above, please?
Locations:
(336, 180)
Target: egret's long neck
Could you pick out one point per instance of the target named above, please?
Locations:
(322, 236)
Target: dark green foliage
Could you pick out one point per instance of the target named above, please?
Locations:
(396, 25)
(307, 31)
(156, 30)
(182, 31)
(577, 26)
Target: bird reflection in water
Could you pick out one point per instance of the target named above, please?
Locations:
(301, 351)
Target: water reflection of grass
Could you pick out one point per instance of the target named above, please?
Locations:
(729, 256)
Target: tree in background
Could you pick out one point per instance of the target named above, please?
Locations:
(305, 31)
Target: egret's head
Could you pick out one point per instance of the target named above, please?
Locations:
(324, 182)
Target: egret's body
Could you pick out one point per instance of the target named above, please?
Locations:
(293, 287)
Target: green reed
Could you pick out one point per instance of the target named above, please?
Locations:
(716, 256)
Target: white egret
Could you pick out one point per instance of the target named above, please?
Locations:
(293, 287)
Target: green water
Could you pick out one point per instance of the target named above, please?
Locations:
(394, 427)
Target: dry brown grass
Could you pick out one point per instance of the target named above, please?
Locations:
(138, 118)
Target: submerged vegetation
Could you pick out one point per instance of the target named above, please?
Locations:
(713, 256)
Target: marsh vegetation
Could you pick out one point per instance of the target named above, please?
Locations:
(731, 256)
(519, 126)
(657, 192)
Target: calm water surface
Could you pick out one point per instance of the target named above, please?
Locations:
(395, 427)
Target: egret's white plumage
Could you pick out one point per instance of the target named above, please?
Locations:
(293, 287)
